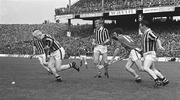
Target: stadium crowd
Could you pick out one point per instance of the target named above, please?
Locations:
(16, 39)
(88, 6)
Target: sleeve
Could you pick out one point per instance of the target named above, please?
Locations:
(152, 35)
(107, 33)
(128, 42)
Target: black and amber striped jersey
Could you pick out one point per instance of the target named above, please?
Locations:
(149, 40)
(38, 45)
(50, 42)
(102, 35)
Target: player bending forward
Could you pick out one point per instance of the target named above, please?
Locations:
(38, 50)
(55, 53)
(134, 55)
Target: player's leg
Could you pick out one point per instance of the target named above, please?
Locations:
(42, 60)
(65, 66)
(129, 68)
(164, 80)
(51, 65)
(134, 57)
(59, 55)
(105, 60)
(103, 50)
(148, 60)
(139, 65)
(100, 65)
(96, 62)
(85, 61)
(81, 60)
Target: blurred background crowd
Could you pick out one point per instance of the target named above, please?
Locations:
(17, 39)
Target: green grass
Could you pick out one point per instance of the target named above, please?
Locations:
(33, 83)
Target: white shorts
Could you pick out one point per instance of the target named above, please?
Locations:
(134, 55)
(41, 58)
(58, 54)
(100, 49)
(151, 55)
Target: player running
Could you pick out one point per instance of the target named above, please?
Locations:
(149, 41)
(38, 51)
(55, 53)
(134, 54)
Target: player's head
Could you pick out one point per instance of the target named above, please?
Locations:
(116, 34)
(37, 33)
(99, 23)
(143, 25)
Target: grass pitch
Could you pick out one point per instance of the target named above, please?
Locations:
(33, 83)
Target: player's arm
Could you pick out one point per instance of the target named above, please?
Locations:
(154, 37)
(107, 41)
(116, 51)
(93, 42)
(34, 50)
(160, 44)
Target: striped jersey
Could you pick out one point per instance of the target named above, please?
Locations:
(51, 42)
(38, 45)
(101, 35)
(127, 41)
(149, 41)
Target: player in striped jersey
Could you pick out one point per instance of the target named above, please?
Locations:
(134, 53)
(55, 54)
(102, 38)
(38, 50)
(149, 41)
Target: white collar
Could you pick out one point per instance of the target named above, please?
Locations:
(101, 28)
(147, 30)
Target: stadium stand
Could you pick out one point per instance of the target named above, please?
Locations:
(88, 6)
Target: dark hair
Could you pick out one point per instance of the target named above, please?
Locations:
(35, 30)
(145, 22)
(118, 31)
